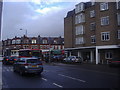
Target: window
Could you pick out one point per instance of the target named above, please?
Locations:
(25, 46)
(18, 41)
(79, 29)
(79, 18)
(55, 42)
(93, 39)
(108, 55)
(103, 6)
(118, 18)
(26, 40)
(92, 13)
(105, 20)
(118, 4)
(79, 7)
(105, 36)
(118, 34)
(41, 46)
(34, 47)
(80, 40)
(92, 3)
(13, 41)
(45, 41)
(92, 26)
(33, 41)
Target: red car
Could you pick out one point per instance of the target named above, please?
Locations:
(9, 60)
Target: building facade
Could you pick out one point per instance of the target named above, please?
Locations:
(12, 46)
(94, 28)
(1, 7)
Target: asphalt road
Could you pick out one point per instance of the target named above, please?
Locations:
(60, 76)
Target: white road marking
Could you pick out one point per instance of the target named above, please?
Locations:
(46, 70)
(57, 85)
(7, 70)
(44, 79)
(72, 78)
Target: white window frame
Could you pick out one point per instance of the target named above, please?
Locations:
(118, 2)
(118, 18)
(118, 34)
(108, 55)
(34, 46)
(103, 6)
(34, 41)
(105, 20)
(13, 41)
(79, 40)
(93, 39)
(106, 34)
(92, 3)
(18, 41)
(55, 42)
(79, 29)
(45, 41)
(79, 7)
(92, 13)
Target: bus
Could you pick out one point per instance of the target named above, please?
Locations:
(30, 53)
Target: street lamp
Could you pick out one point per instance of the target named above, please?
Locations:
(25, 31)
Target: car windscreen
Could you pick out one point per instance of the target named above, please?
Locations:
(33, 61)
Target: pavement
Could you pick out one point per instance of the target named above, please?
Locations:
(0, 75)
(104, 68)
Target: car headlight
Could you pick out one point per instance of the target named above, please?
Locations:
(26, 66)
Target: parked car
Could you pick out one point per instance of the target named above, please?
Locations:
(28, 65)
(74, 59)
(114, 62)
(9, 59)
(58, 57)
(67, 59)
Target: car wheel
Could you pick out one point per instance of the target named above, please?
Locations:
(14, 70)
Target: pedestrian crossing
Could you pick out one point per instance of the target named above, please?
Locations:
(7, 69)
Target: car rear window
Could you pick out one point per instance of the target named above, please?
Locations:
(33, 61)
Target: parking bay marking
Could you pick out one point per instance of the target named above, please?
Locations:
(44, 79)
(72, 78)
(57, 85)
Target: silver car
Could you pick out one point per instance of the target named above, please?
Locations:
(28, 65)
(75, 59)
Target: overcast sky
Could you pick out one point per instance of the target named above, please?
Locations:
(38, 17)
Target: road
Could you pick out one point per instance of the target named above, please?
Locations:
(57, 76)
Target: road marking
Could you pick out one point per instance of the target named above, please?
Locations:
(44, 79)
(72, 78)
(7, 70)
(46, 70)
(58, 85)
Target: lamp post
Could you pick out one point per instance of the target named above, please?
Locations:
(25, 31)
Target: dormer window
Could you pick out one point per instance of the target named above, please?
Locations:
(13, 41)
(34, 41)
(45, 41)
(55, 41)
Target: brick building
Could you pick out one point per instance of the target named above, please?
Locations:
(1, 7)
(44, 43)
(92, 31)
